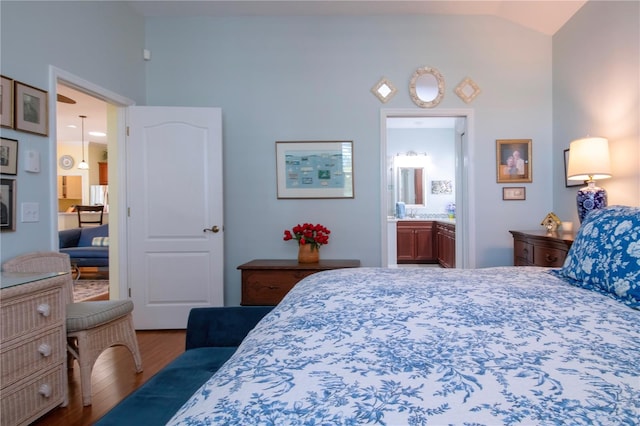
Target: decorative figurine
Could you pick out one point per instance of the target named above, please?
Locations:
(551, 222)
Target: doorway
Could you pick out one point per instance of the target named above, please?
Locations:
(115, 106)
(460, 125)
(81, 139)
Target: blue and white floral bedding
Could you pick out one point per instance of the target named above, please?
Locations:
(430, 346)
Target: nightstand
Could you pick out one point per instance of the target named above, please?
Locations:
(267, 281)
(541, 248)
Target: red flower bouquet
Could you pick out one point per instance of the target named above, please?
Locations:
(314, 235)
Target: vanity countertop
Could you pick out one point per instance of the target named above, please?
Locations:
(422, 219)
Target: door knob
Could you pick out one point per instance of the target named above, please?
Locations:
(213, 229)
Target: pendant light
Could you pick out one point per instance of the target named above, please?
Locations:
(83, 165)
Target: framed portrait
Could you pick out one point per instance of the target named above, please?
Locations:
(568, 183)
(314, 169)
(31, 109)
(6, 102)
(514, 193)
(513, 160)
(8, 156)
(7, 204)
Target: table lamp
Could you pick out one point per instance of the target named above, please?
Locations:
(588, 161)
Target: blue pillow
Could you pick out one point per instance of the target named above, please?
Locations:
(605, 255)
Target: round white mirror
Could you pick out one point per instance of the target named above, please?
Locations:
(426, 87)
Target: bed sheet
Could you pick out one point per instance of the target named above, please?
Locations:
(419, 346)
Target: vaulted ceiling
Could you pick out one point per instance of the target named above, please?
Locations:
(540, 15)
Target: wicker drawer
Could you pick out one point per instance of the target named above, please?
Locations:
(31, 313)
(550, 257)
(38, 353)
(28, 400)
(269, 287)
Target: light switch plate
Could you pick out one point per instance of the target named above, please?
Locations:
(30, 212)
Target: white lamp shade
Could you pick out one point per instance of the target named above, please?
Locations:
(589, 159)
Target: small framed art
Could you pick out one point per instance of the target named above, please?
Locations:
(514, 193)
(513, 160)
(6, 102)
(314, 169)
(7, 204)
(8, 156)
(31, 109)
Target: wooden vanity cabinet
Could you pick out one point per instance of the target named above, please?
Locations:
(415, 242)
(446, 243)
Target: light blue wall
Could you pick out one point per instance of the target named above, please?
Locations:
(98, 41)
(596, 81)
(308, 78)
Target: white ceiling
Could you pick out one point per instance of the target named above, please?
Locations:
(545, 16)
(68, 115)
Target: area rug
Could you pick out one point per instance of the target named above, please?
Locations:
(84, 290)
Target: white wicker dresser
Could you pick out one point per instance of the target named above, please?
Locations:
(33, 346)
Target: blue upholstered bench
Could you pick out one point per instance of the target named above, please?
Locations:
(213, 335)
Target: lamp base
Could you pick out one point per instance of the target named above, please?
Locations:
(589, 198)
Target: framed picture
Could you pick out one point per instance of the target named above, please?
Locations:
(8, 156)
(568, 183)
(7, 204)
(6, 102)
(31, 109)
(514, 193)
(441, 187)
(514, 160)
(314, 169)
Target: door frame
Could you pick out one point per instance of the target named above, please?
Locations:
(117, 209)
(465, 205)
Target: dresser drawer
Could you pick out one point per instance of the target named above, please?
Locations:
(24, 315)
(268, 287)
(540, 248)
(549, 257)
(28, 400)
(39, 352)
(523, 252)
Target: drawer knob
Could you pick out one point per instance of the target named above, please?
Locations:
(550, 258)
(45, 390)
(273, 287)
(44, 309)
(45, 350)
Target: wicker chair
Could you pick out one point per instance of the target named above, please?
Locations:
(92, 327)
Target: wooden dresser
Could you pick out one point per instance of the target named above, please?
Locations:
(267, 281)
(540, 248)
(33, 352)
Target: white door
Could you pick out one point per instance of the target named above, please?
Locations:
(174, 200)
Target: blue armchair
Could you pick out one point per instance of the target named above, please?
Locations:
(86, 246)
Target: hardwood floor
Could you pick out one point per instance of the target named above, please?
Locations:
(114, 377)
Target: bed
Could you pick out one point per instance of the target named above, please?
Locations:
(416, 346)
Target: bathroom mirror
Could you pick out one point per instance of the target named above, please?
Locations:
(426, 87)
(411, 186)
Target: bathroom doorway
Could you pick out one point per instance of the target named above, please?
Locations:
(441, 141)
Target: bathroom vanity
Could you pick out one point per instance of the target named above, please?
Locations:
(419, 241)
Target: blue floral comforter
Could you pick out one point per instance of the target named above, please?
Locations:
(430, 346)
